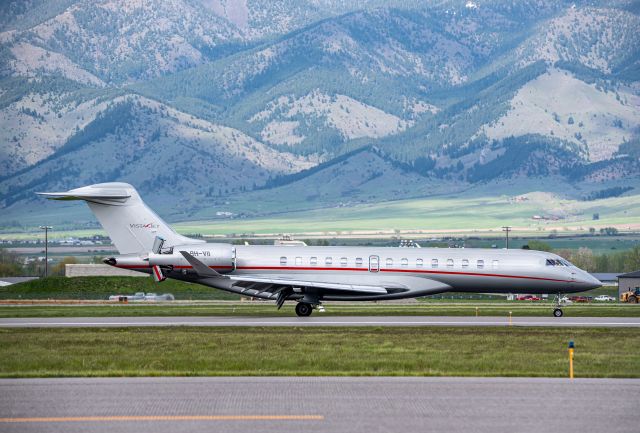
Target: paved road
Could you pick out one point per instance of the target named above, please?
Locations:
(290, 404)
(318, 320)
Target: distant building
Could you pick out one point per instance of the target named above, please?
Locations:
(628, 281)
(99, 270)
(288, 241)
(607, 278)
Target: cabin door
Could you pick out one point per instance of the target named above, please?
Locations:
(374, 263)
(233, 259)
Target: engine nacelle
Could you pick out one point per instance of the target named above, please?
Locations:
(220, 257)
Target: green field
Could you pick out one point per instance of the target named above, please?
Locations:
(268, 309)
(451, 214)
(597, 244)
(438, 214)
(94, 288)
(421, 351)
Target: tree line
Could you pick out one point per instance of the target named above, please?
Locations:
(11, 265)
(585, 258)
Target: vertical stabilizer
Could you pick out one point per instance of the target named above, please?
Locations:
(129, 222)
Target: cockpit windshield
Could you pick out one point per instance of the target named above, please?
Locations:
(558, 262)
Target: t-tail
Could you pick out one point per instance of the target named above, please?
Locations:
(132, 226)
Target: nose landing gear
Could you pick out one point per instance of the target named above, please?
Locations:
(557, 311)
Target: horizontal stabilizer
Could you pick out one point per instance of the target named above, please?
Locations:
(102, 194)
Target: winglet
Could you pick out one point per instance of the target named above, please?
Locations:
(201, 269)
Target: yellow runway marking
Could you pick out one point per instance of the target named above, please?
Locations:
(169, 418)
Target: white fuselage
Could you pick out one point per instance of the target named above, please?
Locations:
(461, 269)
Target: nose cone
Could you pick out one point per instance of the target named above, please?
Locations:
(588, 281)
(110, 261)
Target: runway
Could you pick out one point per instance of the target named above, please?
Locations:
(317, 404)
(319, 320)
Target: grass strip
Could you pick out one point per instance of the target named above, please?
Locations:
(259, 351)
(94, 288)
(268, 309)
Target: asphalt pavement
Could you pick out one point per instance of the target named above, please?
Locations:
(319, 404)
(320, 320)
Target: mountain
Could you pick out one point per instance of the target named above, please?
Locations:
(117, 41)
(292, 104)
(560, 105)
(603, 40)
(166, 151)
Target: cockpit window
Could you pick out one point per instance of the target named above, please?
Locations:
(558, 262)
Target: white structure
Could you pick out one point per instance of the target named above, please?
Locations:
(7, 281)
(99, 270)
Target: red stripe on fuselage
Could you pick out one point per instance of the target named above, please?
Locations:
(414, 271)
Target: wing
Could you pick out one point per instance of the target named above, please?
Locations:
(334, 286)
(265, 282)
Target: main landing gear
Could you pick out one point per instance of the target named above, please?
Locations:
(557, 312)
(303, 309)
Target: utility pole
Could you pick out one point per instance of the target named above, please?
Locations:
(507, 229)
(46, 248)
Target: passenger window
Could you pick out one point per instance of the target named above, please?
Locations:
(465, 263)
(419, 263)
(480, 264)
(343, 261)
(298, 261)
(434, 263)
(328, 261)
(283, 261)
(449, 263)
(389, 263)
(404, 262)
(358, 262)
(494, 264)
(313, 261)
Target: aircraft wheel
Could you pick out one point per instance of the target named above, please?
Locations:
(557, 312)
(303, 309)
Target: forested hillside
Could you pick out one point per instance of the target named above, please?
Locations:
(338, 102)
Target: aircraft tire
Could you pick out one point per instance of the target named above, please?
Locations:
(557, 312)
(303, 309)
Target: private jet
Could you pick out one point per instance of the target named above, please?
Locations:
(310, 275)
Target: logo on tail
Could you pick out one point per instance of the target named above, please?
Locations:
(144, 226)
